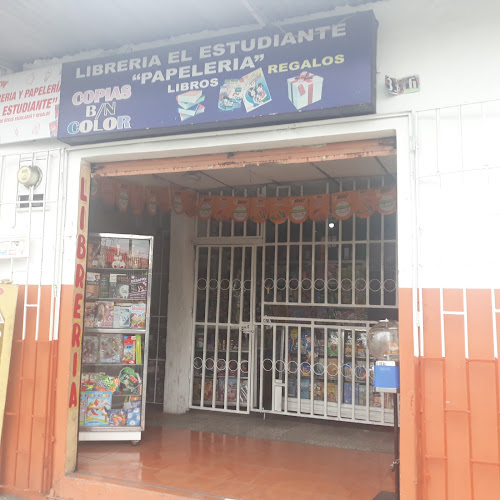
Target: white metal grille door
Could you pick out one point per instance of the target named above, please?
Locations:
(223, 327)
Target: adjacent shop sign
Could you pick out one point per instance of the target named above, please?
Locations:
(322, 68)
(29, 104)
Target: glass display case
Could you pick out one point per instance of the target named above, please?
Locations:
(115, 337)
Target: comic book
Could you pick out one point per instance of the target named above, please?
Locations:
(97, 407)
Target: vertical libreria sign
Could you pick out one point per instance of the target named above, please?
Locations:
(77, 324)
(29, 104)
(322, 68)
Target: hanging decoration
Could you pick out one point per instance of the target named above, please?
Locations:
(240, 209)
(122, 196)
(152, 202)
(279, 209)
(297, 209)
(343, 204)
(223, 208)
(386, 200)
(206, 204)
(365, 203)
(259, 210)
(319, 207)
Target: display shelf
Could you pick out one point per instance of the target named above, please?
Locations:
(115, 332)
(125, 331)
(112, 364)
(115, 269)
(112, 299)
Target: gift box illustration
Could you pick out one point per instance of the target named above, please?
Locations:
(305, 89)
(190, 104)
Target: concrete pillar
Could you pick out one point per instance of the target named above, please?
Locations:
(180, 315)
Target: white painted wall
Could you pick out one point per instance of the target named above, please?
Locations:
(180, 315)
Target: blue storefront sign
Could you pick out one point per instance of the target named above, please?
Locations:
(317, 69)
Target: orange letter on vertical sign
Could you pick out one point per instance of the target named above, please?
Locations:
(77, 306)
(72, 396)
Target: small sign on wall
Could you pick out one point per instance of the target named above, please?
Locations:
(406, 85)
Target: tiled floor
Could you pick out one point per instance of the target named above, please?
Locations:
(208, 465)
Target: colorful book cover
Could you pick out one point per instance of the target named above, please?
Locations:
(138, 316)
(318, 391)
(110, 348)
(121, 316)
(117, 418)
(331, 394)
(89, 315)
(255, 90)
(333, 344)
(92, 286)
(90, 349)
(82, 408)
(104, 312)
(134, 417)
(292, 388)
(97, 407)
(361, 346)
(104, 286)
(209, 390)
(138, 286)
(129, 344)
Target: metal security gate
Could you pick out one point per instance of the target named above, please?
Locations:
(223, 327)
(282, 311)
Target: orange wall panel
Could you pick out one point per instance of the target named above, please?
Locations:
(459, 466)
(433, 444)
(435, 479)
(480, 324)
(486, 481)
(432, 322)
(453, 299)
(483, 411)
(455, 371)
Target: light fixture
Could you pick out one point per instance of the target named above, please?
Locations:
(331, 225)
(29, 176)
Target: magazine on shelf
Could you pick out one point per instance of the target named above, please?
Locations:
(110, 348)
(97, 407)
(121, 317)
